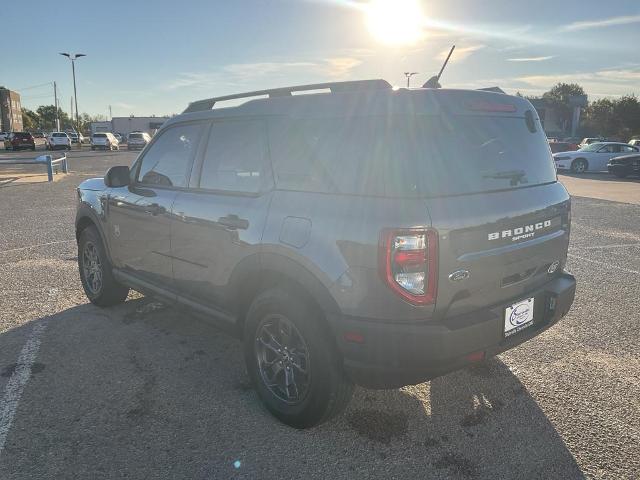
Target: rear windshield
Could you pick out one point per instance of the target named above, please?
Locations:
(135, 135)
(59, 134)
(22, 135)
(99, 135)
(409, 156)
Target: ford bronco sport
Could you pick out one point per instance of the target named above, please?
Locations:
(361, 234)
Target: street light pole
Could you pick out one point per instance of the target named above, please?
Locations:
(73, 59)
(409, 75)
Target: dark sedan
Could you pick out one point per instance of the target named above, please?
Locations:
(624, 166)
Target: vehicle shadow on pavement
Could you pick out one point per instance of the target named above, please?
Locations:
(146, 391)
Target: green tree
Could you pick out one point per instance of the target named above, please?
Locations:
(600, 118)
(30, 120)
(627, 111)
(558, 99)
(47, 114)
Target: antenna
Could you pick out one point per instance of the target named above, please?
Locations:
(434, 82)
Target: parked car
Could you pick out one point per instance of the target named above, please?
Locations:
(76, 138)
(39, 135)
(590, 140)
(58, 140)
(593, 157)
(562, 147)
(19, 141)
(104, 140)
(368, 235)
(3, 135)
(138, 140)
(625, 165)
(635, 142)
(120, 138)
(574, 140)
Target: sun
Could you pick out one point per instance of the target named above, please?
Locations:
(395, 22)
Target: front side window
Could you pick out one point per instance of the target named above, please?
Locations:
(166, 163)
(236, 157)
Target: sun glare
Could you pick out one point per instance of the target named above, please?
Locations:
(395, 22)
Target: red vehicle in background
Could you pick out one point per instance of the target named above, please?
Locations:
(562, 147)
(19, 140)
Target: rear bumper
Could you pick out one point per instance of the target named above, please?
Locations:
(392, 355)
(622, 169)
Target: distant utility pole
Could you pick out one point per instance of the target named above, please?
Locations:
(409, 75)
(55, 101)
(110, 114)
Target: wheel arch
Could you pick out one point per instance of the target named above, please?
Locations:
(86, 218)
(262, 271)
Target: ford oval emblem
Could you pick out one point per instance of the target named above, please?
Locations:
(459, 275)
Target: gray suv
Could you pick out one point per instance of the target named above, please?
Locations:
(357, 235)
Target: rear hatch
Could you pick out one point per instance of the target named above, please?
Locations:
(501, 215)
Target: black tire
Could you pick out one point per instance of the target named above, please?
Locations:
(326, 388)
(107, 291)
(33, 149)
(579, 165)
(93, 148)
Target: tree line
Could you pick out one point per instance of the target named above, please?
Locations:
(44, 119)
(614, 118)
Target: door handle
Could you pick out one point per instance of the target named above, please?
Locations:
(232, 222)
(153, 209)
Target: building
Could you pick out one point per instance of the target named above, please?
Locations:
(126, 125)
(10, 111)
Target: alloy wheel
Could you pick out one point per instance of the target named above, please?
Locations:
(92, 268)
(283, 359)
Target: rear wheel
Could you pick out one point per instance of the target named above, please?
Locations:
(579, 165)
(96, 273)
(292, 360)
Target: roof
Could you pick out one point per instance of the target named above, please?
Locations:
(365, 97)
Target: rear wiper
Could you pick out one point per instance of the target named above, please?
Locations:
(516, 176)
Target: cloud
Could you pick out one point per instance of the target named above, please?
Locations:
(263, 68)
(530, 59)
(340, 67)
(460, 53)
(605, 22)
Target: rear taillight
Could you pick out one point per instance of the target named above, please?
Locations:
(409, 262)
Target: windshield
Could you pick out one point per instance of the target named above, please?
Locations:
(135, 135)
(99, 135)
(594, 147)
(409, 156)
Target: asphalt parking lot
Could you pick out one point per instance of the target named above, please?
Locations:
(145, 391)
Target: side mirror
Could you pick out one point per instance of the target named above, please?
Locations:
(117, 177)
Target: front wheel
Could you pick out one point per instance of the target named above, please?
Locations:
(293, 361)
(96, 275)
(579, 166)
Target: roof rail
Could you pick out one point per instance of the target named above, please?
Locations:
(208, 103)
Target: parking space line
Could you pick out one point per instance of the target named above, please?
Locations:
(609, 265)
(620, 245)
(35, 246)
(18, 380)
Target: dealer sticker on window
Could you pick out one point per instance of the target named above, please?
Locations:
(518, 316)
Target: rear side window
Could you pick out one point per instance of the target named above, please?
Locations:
(236, 157)
(167, 161)
(409, 155)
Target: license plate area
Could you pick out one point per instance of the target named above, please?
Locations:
(518, 316)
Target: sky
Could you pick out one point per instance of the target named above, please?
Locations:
(154, 57)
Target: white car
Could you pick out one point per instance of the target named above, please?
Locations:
(635, 142)
(138, 140)
(58, 140)
(104, 140)
(76, 137)
(593, 157)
